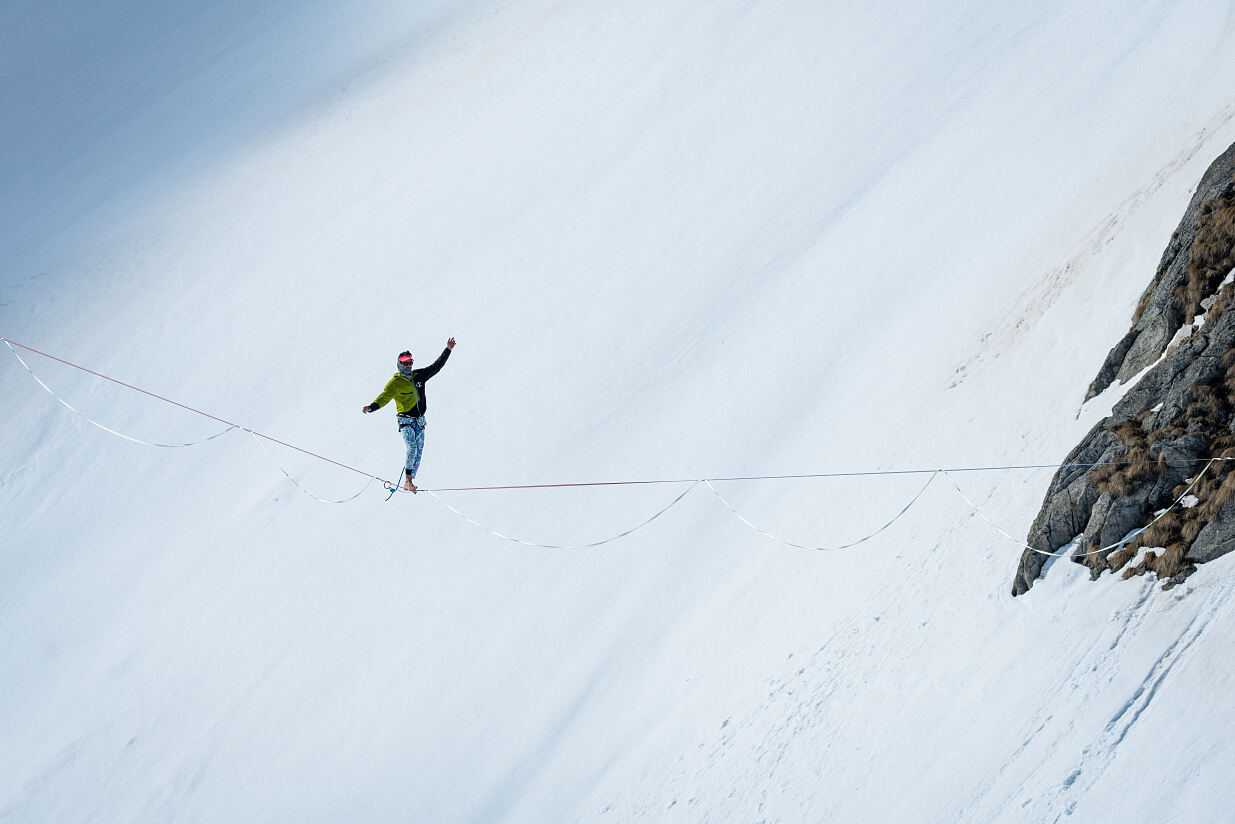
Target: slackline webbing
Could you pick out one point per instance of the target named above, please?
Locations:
(692, 483)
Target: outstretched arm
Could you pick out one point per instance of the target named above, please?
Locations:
(436, 366)
(382, 399)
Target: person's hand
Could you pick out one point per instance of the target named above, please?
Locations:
(450, 344)
(365, 409)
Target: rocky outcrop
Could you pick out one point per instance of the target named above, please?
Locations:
(1163, 310)
(1159, 439)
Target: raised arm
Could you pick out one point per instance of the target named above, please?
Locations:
(435, 367)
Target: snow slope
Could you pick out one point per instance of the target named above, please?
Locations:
(674, 240)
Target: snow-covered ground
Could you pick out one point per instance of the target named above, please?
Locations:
(683, 239)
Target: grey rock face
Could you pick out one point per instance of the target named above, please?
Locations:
(1160, 315)
(1215, 539)
(1164, 430)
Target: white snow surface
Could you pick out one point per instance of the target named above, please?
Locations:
(674, 239)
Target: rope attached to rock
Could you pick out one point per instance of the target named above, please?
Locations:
(1162, 514)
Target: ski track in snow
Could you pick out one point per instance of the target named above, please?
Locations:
(800, 704)
(1097, 757)
(1043, 779)
(1038, 791)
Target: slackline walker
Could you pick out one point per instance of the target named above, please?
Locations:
(407, 390)
(413, 403)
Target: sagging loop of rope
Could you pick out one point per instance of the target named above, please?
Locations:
(108, 429)
(393, 488)
(591, 545)
(296, 483)
(1110, 547)
(257, 436)
(849, 545)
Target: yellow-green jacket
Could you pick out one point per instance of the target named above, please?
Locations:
(402, 391)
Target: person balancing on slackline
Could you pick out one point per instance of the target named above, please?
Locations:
(407, 390)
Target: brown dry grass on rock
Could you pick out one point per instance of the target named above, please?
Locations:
(1208, 413)
(1212, 256)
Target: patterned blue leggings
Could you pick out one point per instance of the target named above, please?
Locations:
(413, 432)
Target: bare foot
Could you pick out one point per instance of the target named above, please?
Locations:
(409, 486)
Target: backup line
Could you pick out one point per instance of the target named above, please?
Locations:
(692, 483)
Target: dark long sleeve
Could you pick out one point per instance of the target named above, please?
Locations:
(433, 368)
(419, 376)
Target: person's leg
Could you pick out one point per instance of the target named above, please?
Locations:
(420, 446)
(414, 437)
(414, 444)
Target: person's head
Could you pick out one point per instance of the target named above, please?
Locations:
(405, 362)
